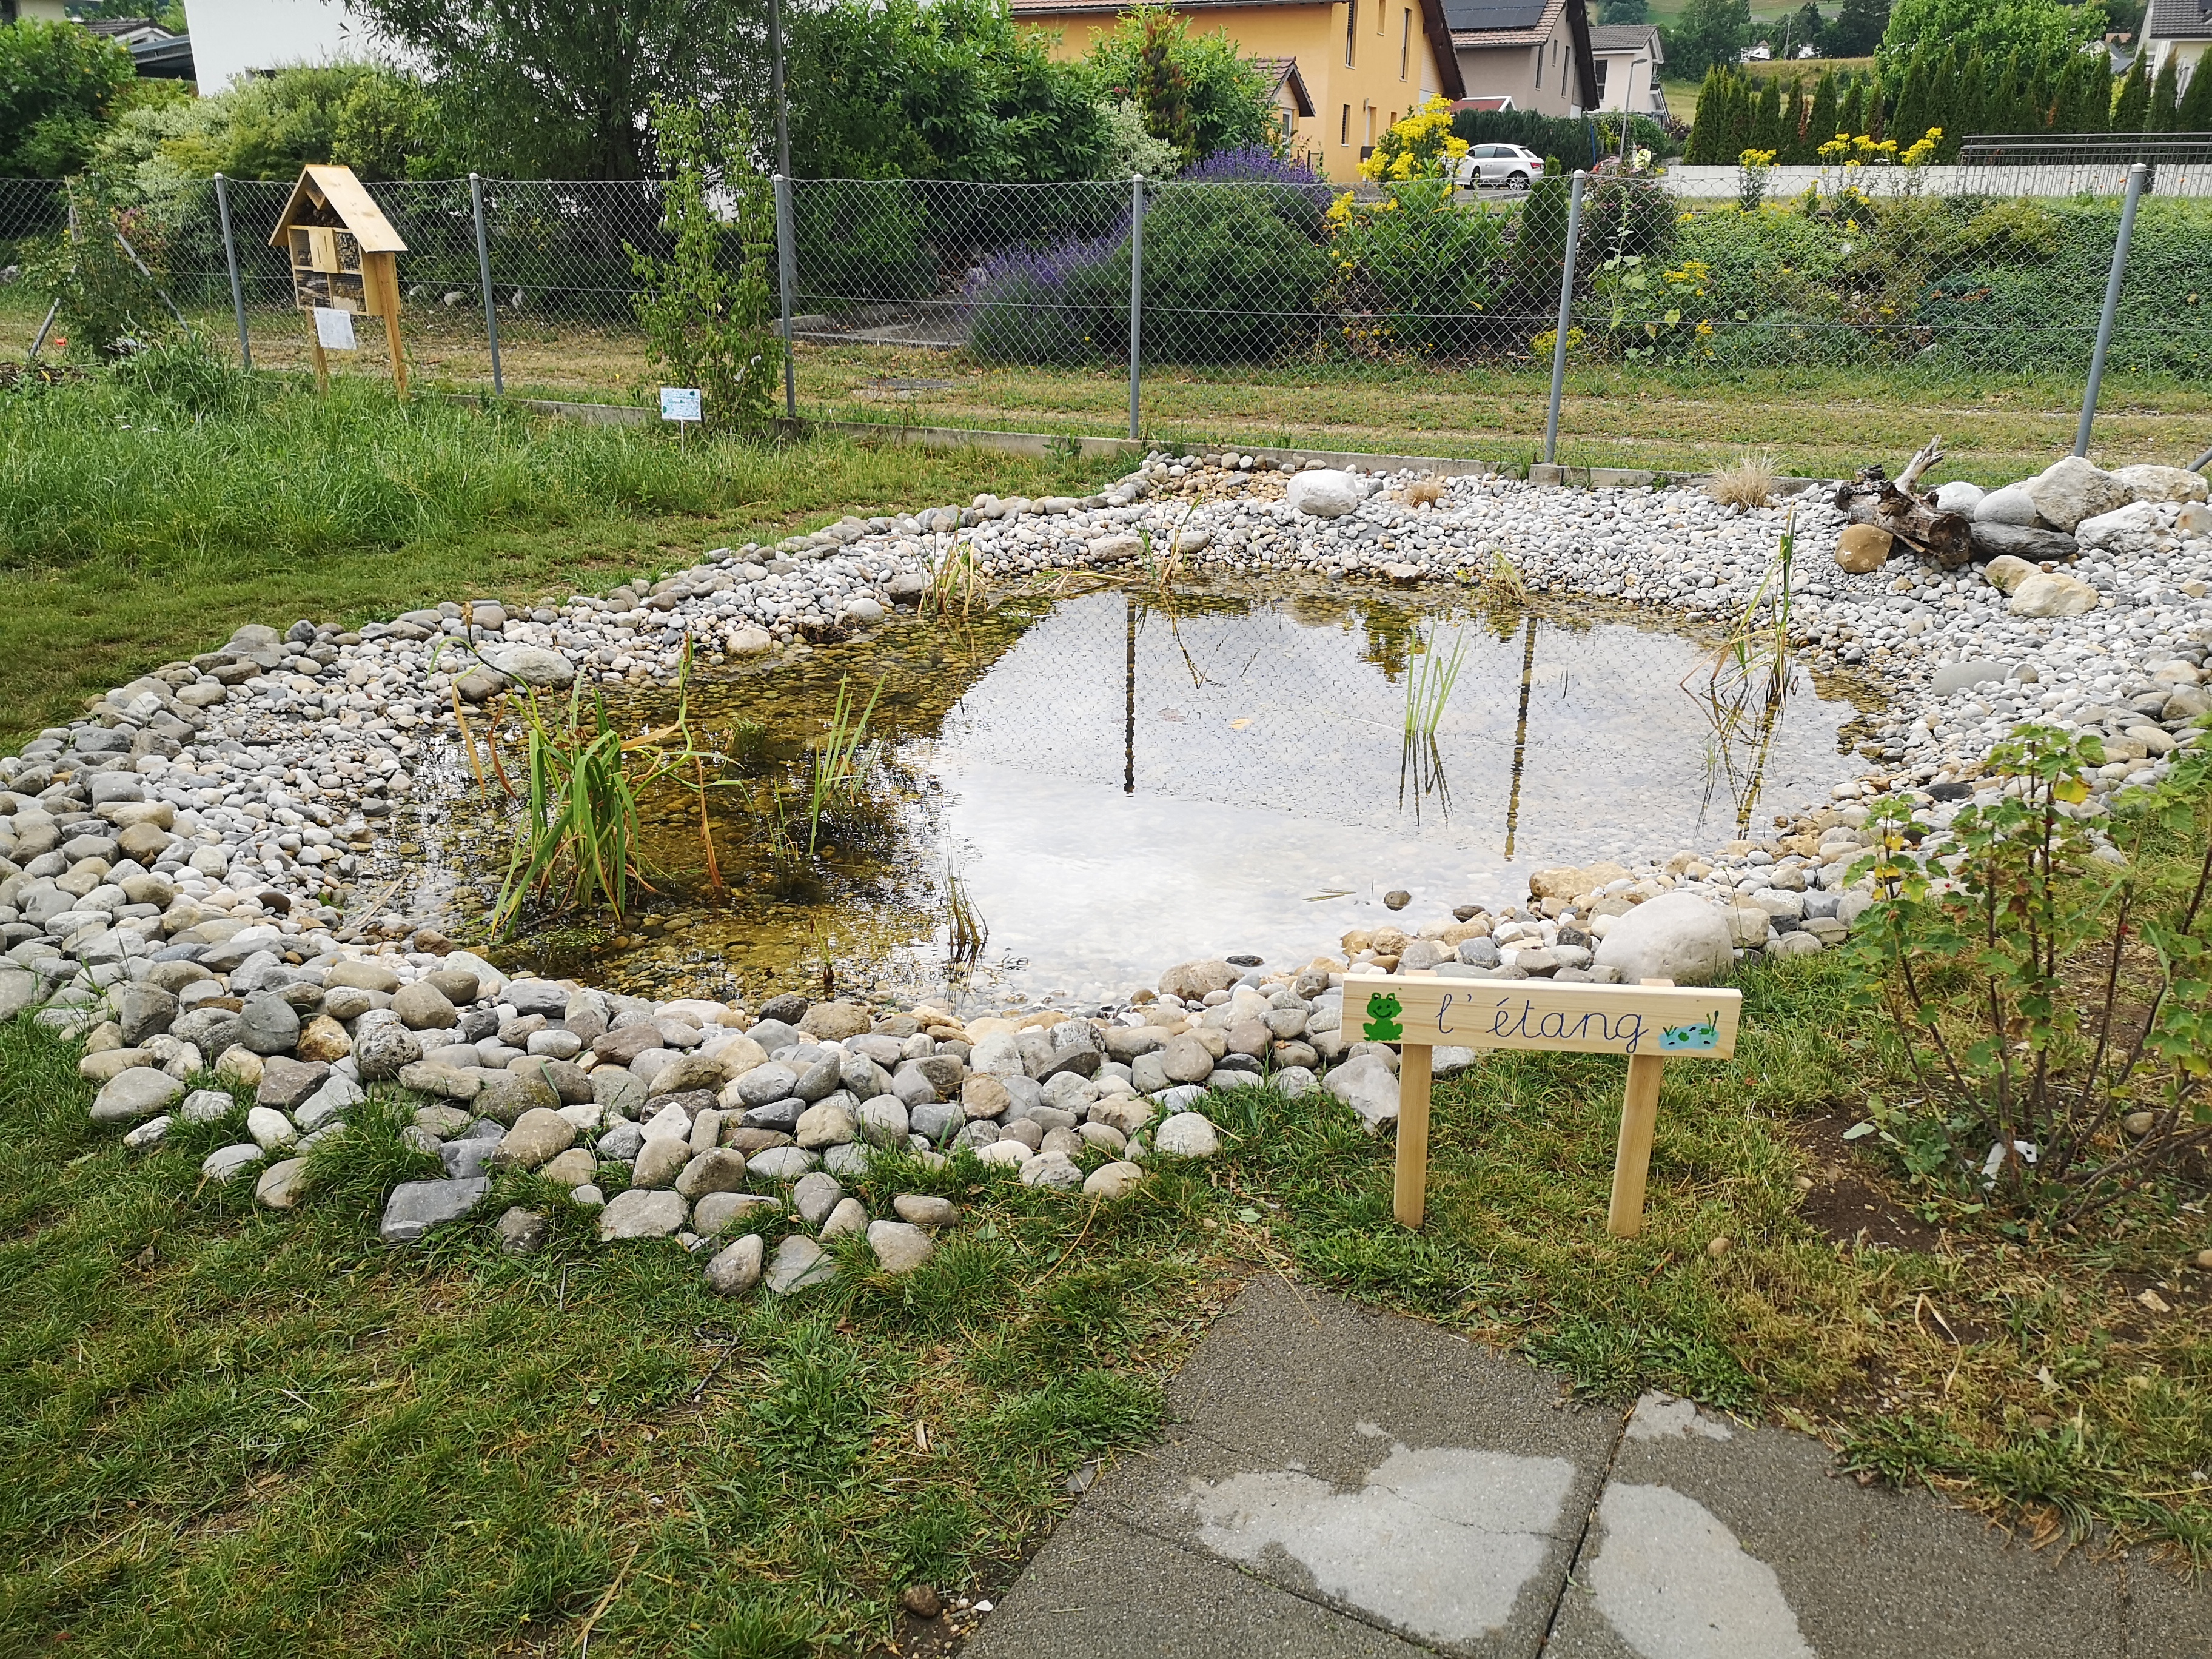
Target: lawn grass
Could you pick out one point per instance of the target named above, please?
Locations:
(1820, 421)
(131, 535)
(227, 1431)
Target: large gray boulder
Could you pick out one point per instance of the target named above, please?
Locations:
(2012, 505)
(2069, 491)
(643, 1212)
(1676, 936)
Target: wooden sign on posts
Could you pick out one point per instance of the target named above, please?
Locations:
(343, 254)
(1649, 1023)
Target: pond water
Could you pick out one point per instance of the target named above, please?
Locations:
(1117, 781)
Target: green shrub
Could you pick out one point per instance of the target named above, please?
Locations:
(1233, 273)
(706, 324)
(1422, 271)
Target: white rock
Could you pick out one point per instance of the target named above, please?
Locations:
(1369, 1086)
(2131, 530)
(1676, 936)
(2069, 491)
(2052, 593)
(1325, 493)
(1187, 1134)
(2164, 483)
(1959, 496)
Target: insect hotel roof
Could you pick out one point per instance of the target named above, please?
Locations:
(331, 196)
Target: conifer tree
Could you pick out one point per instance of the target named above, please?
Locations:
(1850, 114)
(1705, 126)
(1795, 150)
(2164, 96)
(1820, 123)
(2194, 114)
(2131, 108)
(1766, 117)
(2085, 95)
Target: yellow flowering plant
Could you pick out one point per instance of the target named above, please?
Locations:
(1419, 146)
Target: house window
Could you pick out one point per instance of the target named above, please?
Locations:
(1406, 43)
(1604, 65)
(1367, 114)
(1343, 127)
(1539, 68)
(1351, 29)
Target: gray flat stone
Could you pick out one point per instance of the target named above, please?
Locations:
(1737, 1534)
(1302, 1448)
(416, 1206)
(799, 1262)
(1099, 1589)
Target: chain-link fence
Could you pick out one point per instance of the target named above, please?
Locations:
(1257, 303)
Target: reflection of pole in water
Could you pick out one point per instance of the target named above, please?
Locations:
(1521, 728)
(1760, 749)
(1129, 700)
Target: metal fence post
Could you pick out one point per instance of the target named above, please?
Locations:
(230, 259)
(1566, 301)
(1136, 298)
(787, 277)
(2138, 175)
(483, 276)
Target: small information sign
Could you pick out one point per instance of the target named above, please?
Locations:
(679, 402)
(1649, 1023)
(334, 329)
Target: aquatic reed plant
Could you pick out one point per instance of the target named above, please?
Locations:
(966, 931)
(578, 838)
(956, 583)
(1429, 685)
(841, 761)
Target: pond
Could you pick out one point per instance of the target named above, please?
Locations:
(1115, 780)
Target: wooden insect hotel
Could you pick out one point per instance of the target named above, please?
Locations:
(343, 254)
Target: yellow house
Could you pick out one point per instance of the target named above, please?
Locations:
(1360, 64)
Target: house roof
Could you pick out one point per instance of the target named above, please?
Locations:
(2179, 19)
(1283, 75)
(325, 193)
(1627, 37)
(1433, 24)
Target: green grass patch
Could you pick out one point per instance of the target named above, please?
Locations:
(139, 534)
(226, 1429)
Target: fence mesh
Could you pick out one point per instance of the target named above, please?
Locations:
(1269, 306)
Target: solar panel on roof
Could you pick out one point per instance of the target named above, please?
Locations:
(1468, 15)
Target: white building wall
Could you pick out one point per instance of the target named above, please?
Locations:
(232, 38)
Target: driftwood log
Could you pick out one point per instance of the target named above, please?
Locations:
(1897, 506)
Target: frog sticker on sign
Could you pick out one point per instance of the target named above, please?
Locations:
(1647, 1025)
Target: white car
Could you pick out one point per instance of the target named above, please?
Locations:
(1493, 165)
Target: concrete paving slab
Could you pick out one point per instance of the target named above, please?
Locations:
(2169, 1617)
(1099, 1589)
(1721, 1540)
(1338, 1481)
(1385, 1468)
(1295, 1375)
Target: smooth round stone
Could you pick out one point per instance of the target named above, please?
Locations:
(782, 1164)
(1187, 1134)
(1112, 1181)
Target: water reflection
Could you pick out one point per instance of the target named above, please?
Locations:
(1121, 779)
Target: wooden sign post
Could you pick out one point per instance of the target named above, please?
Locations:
(344, 255)
(1649, 1023)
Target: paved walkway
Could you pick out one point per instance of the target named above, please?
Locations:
(1339, 1484)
